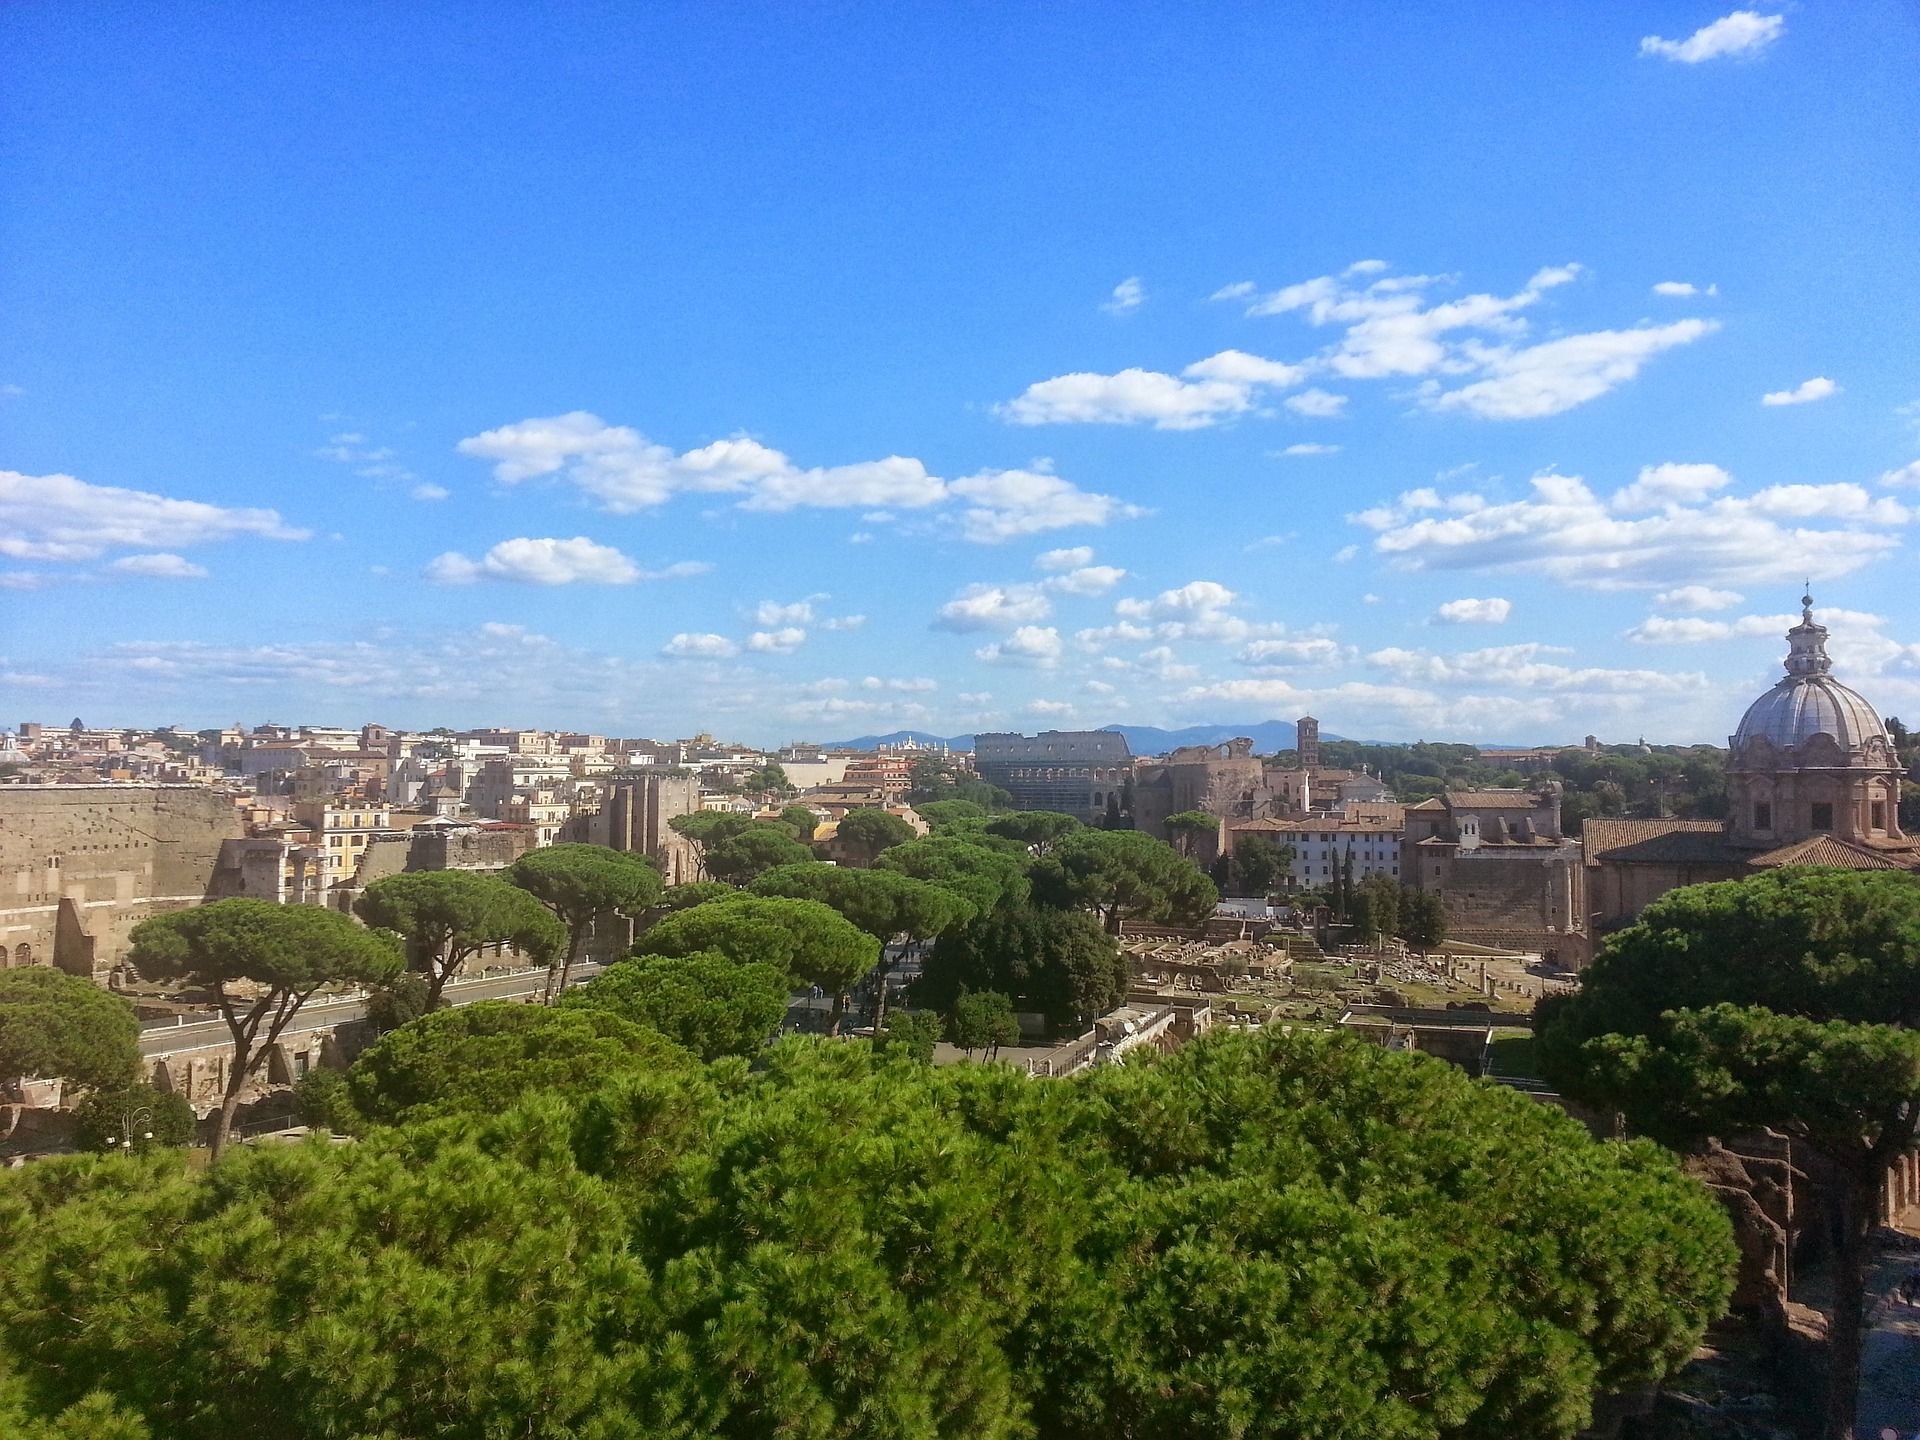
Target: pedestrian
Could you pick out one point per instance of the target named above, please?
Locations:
(1910, 1288)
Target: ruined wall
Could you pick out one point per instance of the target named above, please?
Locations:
(81, 865)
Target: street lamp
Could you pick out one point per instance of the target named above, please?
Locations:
(140, 1118)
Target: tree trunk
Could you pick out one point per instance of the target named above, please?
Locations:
(839, 1009)
(229, 1102)
(1849, 1304)
(558, 967)
(880, 991)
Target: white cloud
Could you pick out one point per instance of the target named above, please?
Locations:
(1240, 368)
(772, 612)
(1696, 598)
(1029, 645)
(1051, 707)
(1007, 504)
(1317, 404)
(624, 471)
(1556, 375)
(1683, 289)
(538, 562)
(914, 685)
(1564, 531)
(1492, 611)
(783, 641)
(1285, 654)
(1744, 32)
(700, 646)
(1127, 296)
(1071, 558)
(1807, 391)
(159, 566)
(426, 491)
(993, 607)
(56, 517)
(1520, 667)
(1907, 476)
(1198, 610)
(1087, 580)
(843, 622)
(1858, 645)
(1131, 397)
(1671, 484)
(1238, 290)
(1310, 448)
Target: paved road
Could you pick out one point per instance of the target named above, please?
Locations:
(1890, 1359)
(321, 1014)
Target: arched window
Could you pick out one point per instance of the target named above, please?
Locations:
(23, 954)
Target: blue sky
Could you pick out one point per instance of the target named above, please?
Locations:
(1478, 372)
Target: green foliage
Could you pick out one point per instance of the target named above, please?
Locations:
(707, 1003)
(483, 1058)
(709, 827)
(884, 903)
(958, 861)
(401, 1003)
(290, 950)
(982, 1020)
(739, 858)
(579, 883)
(1375, 908)
(684, 897)
(1259, 864)
(864, 834)
(1057, 962)
(768, 779)
(801, 818)
(57, 1025)
(1123, 874)
(1185, 829)
(1423, 918)
(105, 1119)
(326, 1103)
(804, 938)
(911, 1034)
(1034, 830)
(448, 916)
(1787, 1000)
(946, 814)
(1261, 1236)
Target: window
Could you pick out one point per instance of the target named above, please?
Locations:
(1822, 815)
(1879, 815)
(1762, 815)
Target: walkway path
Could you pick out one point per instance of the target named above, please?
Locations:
(1890, 1362)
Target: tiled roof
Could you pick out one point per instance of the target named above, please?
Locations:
(1660, 842)
(1429, 805)
(1492, 799)
(1830, 850)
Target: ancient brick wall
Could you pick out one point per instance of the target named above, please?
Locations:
(81, 865)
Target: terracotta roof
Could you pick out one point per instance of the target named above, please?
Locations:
(1325, 823)
(1434, 804)
(1829, 850)
(1660, 842)
(1492, 799)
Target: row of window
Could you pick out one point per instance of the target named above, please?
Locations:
(1820, 815)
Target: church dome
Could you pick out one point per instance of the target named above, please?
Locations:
(1809, 701)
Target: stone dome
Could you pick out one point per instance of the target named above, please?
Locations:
(1809, 701)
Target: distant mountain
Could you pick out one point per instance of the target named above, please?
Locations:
(1267, 736)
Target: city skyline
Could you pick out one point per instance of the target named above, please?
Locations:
(782, 378)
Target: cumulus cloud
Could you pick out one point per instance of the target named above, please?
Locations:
(1310, 448)
(772, 612)
(1127, 296)
(993, 607)
(429, 492)
(59, 518)
(1696, 598)
(1743, 33)
(1029, 645)
(1007, 504)
(1087, 580)
(1907, 477)
(1071, 558)
(1565, 531)
(538, 562)
(1051, 707)
(159, 567)
(1198, 610)
(1217, 388)
(843, 622)
(1670, 484)
(783, 641)
(1492, 611)
(1317, 404)
(1858, 645)
(1805, 393)
(1521, 667)
(1683, 289)
(689, 646)
(1287, 654)
(1557, 375)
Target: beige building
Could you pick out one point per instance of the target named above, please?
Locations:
(339, 830)
(1812, 780)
